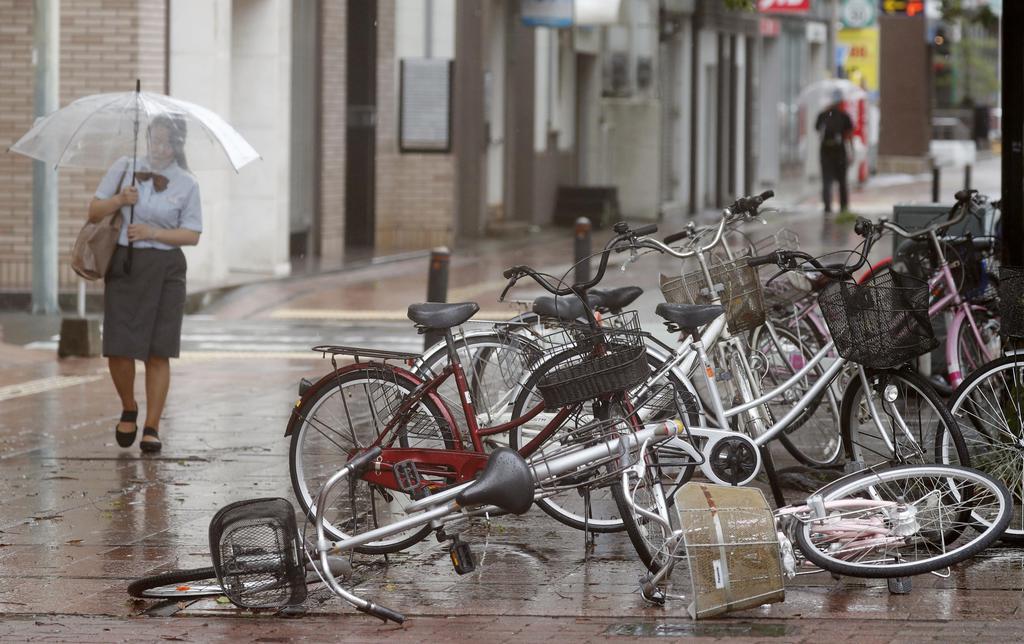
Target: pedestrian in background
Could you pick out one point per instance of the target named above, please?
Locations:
(144, 302)
(836, 130)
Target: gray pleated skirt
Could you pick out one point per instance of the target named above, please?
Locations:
(143, 310)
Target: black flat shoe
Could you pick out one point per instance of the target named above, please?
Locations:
(150, 446)
(125, 439)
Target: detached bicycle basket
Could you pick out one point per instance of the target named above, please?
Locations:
(257, 555)
(881, 323)
(737, 283)
(612, 359)
(1011, 301)
(732, 548)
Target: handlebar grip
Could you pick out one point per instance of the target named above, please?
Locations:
(674, 237)
(382, 613)
(359, 462)
(509, 273)
(863, 226)
(764, 260)
(649, 229)
(766, 195)
(965, 194)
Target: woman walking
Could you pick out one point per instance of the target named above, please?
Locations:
(144, 300)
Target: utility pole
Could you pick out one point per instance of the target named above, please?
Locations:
(1013, 133)
(46, 58)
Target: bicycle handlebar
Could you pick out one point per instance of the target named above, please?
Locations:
(624, 234)
(957, 214)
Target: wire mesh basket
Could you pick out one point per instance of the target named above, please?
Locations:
(783, 239)
(881, 323)
(732, 548)
(738, 284)
(1011, 301)
(257, 555)
(787, 289)
(593, 363)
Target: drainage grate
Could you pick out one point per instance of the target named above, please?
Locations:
(701, 629)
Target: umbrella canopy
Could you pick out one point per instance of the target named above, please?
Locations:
(95, 131)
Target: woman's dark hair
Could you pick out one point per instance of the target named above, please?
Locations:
(176, 131)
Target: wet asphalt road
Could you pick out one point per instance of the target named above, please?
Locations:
(81, 517)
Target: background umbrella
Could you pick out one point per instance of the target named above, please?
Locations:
(95, 131)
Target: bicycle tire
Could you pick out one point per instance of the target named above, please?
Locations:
(890, 564)
(168, 585)
(869, 449)
(987, 428)
(648, 537)
(305, 490)
(796, 434)
(525, 401)
(969, 355)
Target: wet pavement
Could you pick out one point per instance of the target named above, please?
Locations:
(81, 517)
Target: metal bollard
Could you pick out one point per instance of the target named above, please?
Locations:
(936, 176)
(437, 288)
(967, 176)
(581, 250)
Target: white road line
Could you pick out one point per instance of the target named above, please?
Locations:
(43, 385)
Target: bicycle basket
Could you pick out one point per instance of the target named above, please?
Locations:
(881, 323)
(783, 239)
(738, 284)
(592, 364)
(256, 553)
(787, 289)
(732, 548)
(1011, 301)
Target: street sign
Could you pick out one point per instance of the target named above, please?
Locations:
(858, 14)
(902, 7)
(784, 6)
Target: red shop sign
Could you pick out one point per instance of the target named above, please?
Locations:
(784, 6)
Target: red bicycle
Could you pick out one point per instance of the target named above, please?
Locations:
(381, 403)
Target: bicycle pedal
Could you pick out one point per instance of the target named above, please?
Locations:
(900, 585)
(462, 557)
(408, 479)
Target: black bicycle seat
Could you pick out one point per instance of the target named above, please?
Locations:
(506, 482)
(438, 315)
(614, 299)
(566, 308)
(689, 317)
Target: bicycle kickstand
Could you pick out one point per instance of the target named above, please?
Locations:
(589, 536)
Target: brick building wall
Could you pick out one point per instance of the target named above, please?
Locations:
(332, 131)
(415, 199)
(105, 45)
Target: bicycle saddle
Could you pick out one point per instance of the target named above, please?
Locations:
(614, 299)
(506, 482)
(689, 317)
(566, 308)
(438, 315)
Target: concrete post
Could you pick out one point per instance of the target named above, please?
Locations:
(581, 250)
(936, 179)
(967, 176)
(437, 287)
(46, 56)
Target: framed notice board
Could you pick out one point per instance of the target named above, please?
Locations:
(425, 105)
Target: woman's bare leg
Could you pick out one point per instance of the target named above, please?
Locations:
(158, 381)
(122, 372)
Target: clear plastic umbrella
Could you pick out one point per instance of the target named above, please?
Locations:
(95, 131)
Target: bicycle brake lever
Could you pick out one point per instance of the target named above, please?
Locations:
(633, 256)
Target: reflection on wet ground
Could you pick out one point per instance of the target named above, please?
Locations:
(80, 518)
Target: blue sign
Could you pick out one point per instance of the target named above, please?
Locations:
(556, 14)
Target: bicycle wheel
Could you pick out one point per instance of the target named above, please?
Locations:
(648, 487)
(812, 437)
(971, 356)
(924, 532)
(916, 427)
(568, 506)
(348, 413)
(989, 407)
(494, 363)
(176, 584)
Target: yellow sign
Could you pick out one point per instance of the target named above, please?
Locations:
(859, 49)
